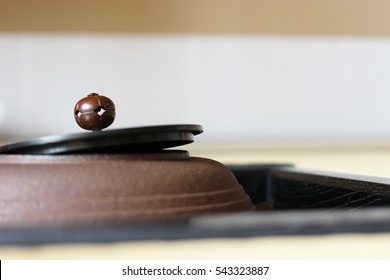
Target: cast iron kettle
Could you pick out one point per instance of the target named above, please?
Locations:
(113, 177)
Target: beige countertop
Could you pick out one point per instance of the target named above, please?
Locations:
(338, 246)
(369, 158)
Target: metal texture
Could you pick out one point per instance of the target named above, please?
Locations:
(254, 224)
(94, 112)
(107, 190)
(260, 181)
(297, 188)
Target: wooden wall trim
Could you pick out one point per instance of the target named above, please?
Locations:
(311, 17)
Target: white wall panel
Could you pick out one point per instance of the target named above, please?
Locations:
(240, 87)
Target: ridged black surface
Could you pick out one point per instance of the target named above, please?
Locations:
(292, 188)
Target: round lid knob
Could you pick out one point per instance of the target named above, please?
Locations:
(94, 112)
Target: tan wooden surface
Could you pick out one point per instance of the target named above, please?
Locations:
(274, 17)
(358, 157)
(349, 246)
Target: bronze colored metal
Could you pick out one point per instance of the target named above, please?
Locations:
(99, 190)
(94, 112)
(113, 177)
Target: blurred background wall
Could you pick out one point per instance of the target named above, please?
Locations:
(244, 69)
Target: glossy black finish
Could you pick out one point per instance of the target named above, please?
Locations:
(129, 140)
